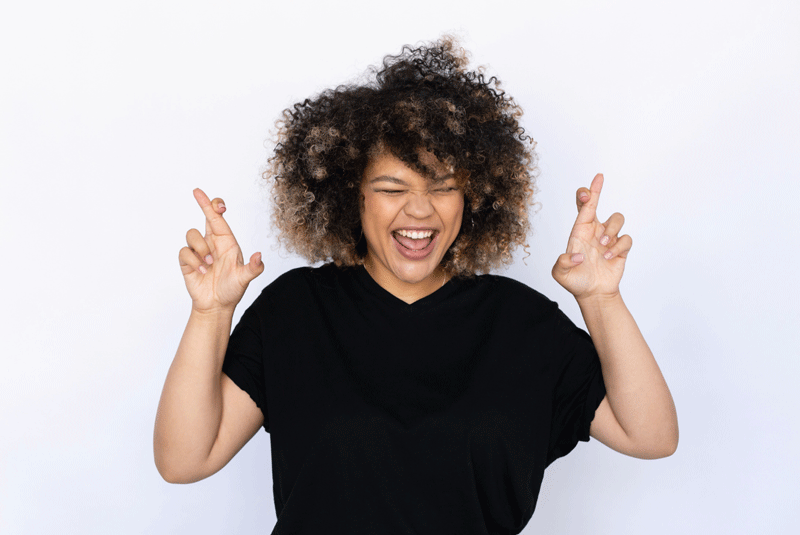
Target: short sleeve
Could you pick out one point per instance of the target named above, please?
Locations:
(244, 358)
(579, 388)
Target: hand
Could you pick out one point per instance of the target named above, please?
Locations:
(212, 265)
(595, 257)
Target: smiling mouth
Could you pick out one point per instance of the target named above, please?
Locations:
(414, 241)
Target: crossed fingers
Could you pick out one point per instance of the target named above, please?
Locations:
(213, 210)
(607, 234)
(198, 254)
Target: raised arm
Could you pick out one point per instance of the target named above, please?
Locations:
(203, 418)
(637, 416)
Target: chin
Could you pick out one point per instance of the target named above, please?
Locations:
(414, 276)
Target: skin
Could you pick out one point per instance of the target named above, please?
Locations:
(637, 416)
(397, 197)
(204, 419)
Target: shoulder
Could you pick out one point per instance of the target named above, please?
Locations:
(501, 299)
(303, 276)
(510, 291)
(499, 282)
(301, 283)
(534, 313)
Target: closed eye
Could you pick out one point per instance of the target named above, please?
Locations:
(390, 191)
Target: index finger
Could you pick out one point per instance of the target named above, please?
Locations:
(214, 220)
(588, 212)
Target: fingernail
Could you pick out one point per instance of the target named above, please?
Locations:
(202, 269)
(608, 255)
(577, 258)
(584, 197)
(221, 207)
(209, 259)
(604, 240)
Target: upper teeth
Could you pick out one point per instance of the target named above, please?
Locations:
(415, 234)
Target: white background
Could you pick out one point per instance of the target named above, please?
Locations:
(112, 112)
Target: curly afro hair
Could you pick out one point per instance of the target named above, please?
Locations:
(422, 99)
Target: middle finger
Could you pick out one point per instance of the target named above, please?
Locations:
(582, 196)
(611, 228)
(198, 244)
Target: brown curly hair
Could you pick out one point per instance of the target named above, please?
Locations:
(423, 98)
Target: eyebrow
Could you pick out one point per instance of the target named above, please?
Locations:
(395, 180)
(387, 178)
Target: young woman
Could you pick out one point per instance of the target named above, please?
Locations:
(404, 391)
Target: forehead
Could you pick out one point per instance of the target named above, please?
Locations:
(384, 165)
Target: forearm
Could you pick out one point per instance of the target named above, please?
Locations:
(190, 409)
(636, 390)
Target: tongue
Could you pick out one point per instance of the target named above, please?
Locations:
(413, 244)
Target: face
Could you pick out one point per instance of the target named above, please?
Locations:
(409, 222)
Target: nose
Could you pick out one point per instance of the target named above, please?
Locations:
(418, 205)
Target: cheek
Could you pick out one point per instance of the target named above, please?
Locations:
(457, 213)
(373, 213)
(366, 207)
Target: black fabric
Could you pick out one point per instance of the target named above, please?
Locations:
(437, 417)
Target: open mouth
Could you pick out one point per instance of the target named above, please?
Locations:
(416, 240)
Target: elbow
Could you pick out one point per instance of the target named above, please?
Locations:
(165, 468)
(670, 441)
(171, 475)
(664, 446)
(672, 445)
(177, 465)
(665, 450)
(166, 472)
(173, 471)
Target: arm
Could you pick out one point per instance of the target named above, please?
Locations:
(637, 416)
(203, 418)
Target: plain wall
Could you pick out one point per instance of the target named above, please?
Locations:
(111, 113)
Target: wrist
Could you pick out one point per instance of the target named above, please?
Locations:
(213, 314)
(599, 301)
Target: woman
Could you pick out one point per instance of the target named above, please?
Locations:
(403, 392)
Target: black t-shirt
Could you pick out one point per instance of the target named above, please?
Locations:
(434, 417)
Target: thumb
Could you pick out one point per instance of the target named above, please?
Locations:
(565, 262)
(254, 267)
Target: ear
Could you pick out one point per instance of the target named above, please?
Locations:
(361, 202)
(467, 220)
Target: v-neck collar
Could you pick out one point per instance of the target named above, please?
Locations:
(370, 285)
